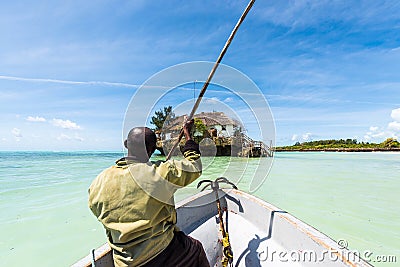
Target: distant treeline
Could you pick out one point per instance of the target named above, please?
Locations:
(342, 145)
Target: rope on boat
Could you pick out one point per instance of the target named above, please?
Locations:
(93, 258)
(227, 249)
(203, 90)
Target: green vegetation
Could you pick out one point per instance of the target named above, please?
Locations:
(160, 116)
(342, 145)
(200, 126)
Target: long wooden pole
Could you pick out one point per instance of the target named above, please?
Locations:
(210, 76)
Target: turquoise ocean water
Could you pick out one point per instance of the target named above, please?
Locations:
(45, 221)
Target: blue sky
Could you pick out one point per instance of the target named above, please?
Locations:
(68, 69)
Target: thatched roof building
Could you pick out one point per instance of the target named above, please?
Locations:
(219, 121)
(224, 136)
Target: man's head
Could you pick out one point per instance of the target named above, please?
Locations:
(141, 143)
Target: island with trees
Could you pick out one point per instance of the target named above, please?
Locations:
(342, 145)
(216, 132)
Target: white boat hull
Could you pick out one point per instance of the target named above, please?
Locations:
(260, 234)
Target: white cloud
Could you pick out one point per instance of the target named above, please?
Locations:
(76, 137)
(394, 125)
(35, 119)
(396, 114)
(307, 137)
(212, 100)
(392, 130)
(41, 80)
(303, 137)
(375, 134)
(65, 124)
(64, 137)
(16, 132)
(373, 128)
(379, 135)
(228, 100)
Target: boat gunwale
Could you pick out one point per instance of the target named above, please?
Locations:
(99, 253)
(307, 229)
(313, 233)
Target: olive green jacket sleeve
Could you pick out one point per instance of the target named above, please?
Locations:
(183, 172)
(134, 202)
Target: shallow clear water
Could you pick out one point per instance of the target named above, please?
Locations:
(45, 221)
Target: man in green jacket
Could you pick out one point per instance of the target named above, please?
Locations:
(134, 200)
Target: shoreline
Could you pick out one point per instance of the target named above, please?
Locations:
(338, 150)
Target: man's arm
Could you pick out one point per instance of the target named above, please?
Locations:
(191, 150)
(184, 172)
